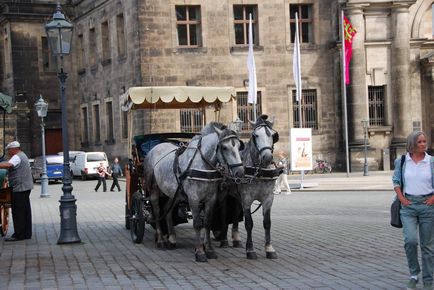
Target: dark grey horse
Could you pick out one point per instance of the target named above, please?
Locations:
(193, 174)
(258, 185)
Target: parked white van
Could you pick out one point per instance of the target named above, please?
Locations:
(86, 164)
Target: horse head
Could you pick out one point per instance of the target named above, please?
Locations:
(228, 151)
(263, 137)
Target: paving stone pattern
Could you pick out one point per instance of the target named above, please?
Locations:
(324, 240)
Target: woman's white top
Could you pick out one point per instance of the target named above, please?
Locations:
(418, 177)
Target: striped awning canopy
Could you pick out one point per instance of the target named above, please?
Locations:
(175, 97)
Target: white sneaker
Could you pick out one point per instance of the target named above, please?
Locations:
(277, 192)
(287, 192)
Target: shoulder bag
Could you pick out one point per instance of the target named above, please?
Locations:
(395, 216)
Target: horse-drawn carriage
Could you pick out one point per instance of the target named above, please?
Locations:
(165, 177)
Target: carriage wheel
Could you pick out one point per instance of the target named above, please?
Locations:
(4, 218)
(137, 220)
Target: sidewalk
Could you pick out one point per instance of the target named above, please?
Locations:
(338, 181)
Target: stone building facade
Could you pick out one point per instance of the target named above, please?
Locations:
(121, 44)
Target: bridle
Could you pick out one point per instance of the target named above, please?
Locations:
(221, 140)
(269, 132)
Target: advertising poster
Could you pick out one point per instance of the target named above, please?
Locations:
(301, 149)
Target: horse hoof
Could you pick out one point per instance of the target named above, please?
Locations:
(160, 245)
(211, 255)
(201, 258)
(171, 246)
(271, 255)
(251, 256)
(224, 244)
(237, 244)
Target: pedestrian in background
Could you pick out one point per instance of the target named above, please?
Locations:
(417, 207)
(116, 171)
(282, 181)
(102, 174)
(21, 181)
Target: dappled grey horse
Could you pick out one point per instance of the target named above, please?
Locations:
(191, 173)
(258, 184)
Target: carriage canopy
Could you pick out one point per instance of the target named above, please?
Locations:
(175, 97)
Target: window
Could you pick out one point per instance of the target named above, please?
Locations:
(80, 54)
(241, 24)
(376, 105)
(124, 121)
(191, 120)
(105, 38)
(305, 21)
(120, 29)
(96, 122)
(309, 111)
(92, 46)
(49, 61)
(188, 25)
(85, 126)
(109, 112)
(245, 110)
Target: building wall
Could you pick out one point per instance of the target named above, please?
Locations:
(106, 79)
(23, 75)
(220, 63)
(385, 53)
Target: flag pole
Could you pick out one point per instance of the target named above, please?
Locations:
(253, 90)
(297, 76)
(344, 94)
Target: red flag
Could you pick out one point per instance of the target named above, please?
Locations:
(349, 32)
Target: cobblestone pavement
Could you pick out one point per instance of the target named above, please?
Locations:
(324, 240)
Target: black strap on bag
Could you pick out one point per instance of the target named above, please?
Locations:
(395, 216)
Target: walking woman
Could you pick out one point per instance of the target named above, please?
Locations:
(417, 211)
(116, 172)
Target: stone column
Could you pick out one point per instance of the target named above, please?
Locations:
(357, 102)
(400, 75)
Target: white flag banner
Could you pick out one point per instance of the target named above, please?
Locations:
(296, 67)
(252, 94)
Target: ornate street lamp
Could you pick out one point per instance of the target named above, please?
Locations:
(365, 143)
(238, 125)
(59, 32)
(41, 108)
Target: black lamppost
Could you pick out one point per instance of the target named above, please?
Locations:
(365, 143)
(41, 108)
(59, 32)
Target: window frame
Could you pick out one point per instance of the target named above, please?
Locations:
(120, 35)
(92, 47)
(48, 56)
(124, 124)
(306, 105)
(105, 40)
(81, 52)
(377, 106)
(196, 119)
(245, 110)
(301, 20)
(245, 25)
(96, 117)
(85, 124)
(188, 23)
(109, 113)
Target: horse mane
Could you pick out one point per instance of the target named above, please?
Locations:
(263, 120)
(210, 128)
